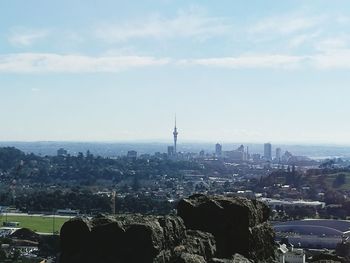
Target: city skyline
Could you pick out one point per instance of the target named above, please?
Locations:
(232, 72)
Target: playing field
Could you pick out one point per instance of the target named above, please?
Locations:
(36, 223)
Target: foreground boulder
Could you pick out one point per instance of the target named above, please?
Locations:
(237, 258)
(238, 224)
(75, 239)
(208, 230)
(126, 239)
(325, 257)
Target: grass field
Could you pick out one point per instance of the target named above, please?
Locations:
(36, 223)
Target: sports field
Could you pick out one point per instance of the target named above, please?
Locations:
(37, 223)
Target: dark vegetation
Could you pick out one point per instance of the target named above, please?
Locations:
(45, 183)
(33, 183)
(83, 169)
(327, 184)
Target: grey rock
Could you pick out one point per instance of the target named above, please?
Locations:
(209, 229)
(121, 238)
(200, 243)
(237, 258)
(238, 224)
(74, 240)
(189, 258)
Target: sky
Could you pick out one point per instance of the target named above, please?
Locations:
(231, 71)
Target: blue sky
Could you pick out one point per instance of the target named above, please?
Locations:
(239, 71)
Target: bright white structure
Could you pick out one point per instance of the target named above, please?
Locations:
(289, 254)
(272, 203)
(313, 233)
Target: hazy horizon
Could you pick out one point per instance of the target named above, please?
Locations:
(170, 142)
(111, 149)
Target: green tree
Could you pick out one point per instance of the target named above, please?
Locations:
(339, 180)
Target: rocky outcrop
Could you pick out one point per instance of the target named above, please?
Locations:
(207, 230)
(343, 250)
(188, 258)
(122, 238)
(239, 225)
(200, 243)
(237, 258)
(75, 240)
(324, 257)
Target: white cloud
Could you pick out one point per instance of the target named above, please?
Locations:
(26, 37)
(336, 59)
(333, 43)
(249, 61)
(56, 63)
(185, 24)
(287, 24)
(330, 60)
(302, 39)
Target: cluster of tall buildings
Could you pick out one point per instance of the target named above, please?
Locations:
(242, 153)
(268, 153)
(239, 154)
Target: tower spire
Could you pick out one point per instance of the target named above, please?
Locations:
(175, 133)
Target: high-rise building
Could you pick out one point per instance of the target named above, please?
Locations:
(170, 151)
(175, 133)
(132, 155)
(62, 152)
(268, 151)
(278, 154)
(218, 150)
(240, 148)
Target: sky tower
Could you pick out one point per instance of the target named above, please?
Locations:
(175, 133)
